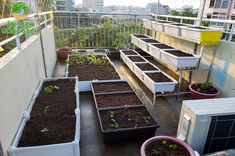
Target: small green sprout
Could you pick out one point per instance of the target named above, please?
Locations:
(164, 142)
(173, 146)
(129, 116)
(44, 131)
(49, 89)
(46, 110)
(111, 114)
(155, 152)
(147, 119)
(114, 124)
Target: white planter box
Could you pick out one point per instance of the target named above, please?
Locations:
(159, 26)
(145, 45)
(123, 55)
(156, 52)
(194, 34)
(139, 73)
(173, 29)
(130, 63)
(147, 24)
(179, 62)
(68, 149)
(161, 86)
(135, 39)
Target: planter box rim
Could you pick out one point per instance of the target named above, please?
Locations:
(207, 29)
(181, 57)
(173, 81)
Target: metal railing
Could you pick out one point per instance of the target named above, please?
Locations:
(96, 30)
(227, 25)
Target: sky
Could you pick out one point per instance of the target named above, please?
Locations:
(143, 3)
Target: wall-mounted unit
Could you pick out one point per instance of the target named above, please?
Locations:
(208, 125)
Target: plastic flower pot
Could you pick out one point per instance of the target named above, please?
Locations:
(198, 95)
(63, 53)
(168, 138)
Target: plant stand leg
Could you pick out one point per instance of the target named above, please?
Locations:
(179, 84)
(154, 98)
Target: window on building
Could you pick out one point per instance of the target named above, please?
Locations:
(217, 3)
(225, 4)
(212, 2)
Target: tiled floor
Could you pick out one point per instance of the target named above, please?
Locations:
(165, 111)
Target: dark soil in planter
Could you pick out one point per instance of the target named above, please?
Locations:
(129, 52)
(146, 66)
(113, 53)
(53, 113)
(136, 59)
(116, 100)
(142, 53)
(141, 36)
(158, 148)
(178, 24)
(179, 53)
(158, 77)
(162, 46)
(92, 72)
(163, 22)
(150, 40)
(111, 87)
(211, 91)
(82, 67)
(202, 28)
(126, 118)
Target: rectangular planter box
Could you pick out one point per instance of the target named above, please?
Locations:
(156, 51)
(144, 43)
(205, 35)
(147, 24)
(159, 86)
(124, 53)
(127, 134)
(116, 100)
(130, 63)
(62, 149)
(159, 25)
(139, 72)
(113, 53)
(135, 38)
(111, 87)
(173, 29)
(179, 62)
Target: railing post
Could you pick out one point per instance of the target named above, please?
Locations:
(18, 40)
(231, 32)
(45, 18)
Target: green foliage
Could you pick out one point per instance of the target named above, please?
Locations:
(91, 59)
(20, 6)
(114, 124)
(155, 152)
(129, 116)
(173, 146)
(147, 119)
(164, 142)
(111, 114)
(204, 87)
(50, 89)
(187, 12)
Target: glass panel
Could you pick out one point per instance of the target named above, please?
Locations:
(217, 3)
(212, 3)
(225, 4)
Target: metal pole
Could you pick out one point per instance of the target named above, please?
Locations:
(201, 11)
(41, 41)
(211, 63)
(158, 3)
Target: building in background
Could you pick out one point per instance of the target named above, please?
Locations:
(64, 5)
(153, 8)
(94, 5)
(219, 9)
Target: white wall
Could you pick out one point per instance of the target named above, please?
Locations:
(20, 72)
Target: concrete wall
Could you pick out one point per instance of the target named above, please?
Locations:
(223, 69)
(20, 73)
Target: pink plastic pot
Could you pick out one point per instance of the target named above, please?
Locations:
(197, 95)
(172, 139)
(63, 53)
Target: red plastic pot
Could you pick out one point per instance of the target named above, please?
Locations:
(172, 139)
(198, 95)
(63, 53)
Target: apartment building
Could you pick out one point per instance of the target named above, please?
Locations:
(64, 5)
(93, 4)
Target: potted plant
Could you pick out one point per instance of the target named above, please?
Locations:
(203, 90)
(165, 145)
(63, 53)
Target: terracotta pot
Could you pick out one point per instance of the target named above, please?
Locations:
(63, 53)
(198, 95)
(172, 139)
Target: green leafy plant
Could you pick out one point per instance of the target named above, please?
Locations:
(111, 114)
(147, 119)
(50, 89)
(173, 146)
(46, 110)
(129, 116)
(207, 86)
(164, 142)
(44, 131)
(155, 152)
(114, 124)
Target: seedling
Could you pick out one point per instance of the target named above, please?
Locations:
(173, 146)
(155, 152)
(44, 131)
(147, 119)
(111, 114)
(164, 142)
(114, 124)
(129, 116)
(49, 89)
(46, 110)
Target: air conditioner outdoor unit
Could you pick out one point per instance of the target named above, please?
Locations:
(208, 125)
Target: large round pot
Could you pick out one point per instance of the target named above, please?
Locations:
(168, 138)
(63, 53)
(198, 95)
